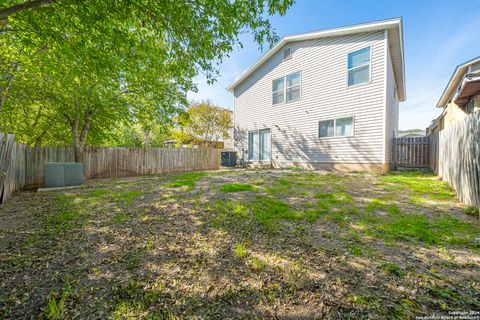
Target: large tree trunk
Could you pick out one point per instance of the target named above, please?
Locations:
(76, 141)
(79, 139)
(147, 138)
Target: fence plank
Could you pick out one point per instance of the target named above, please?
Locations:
(12, 166)
(22, 166)
(456, 157)
(411, 152)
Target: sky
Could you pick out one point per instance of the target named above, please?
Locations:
(438, 36)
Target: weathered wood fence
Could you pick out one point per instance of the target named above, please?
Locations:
(12, 166)
(411, 152)
(22, 166)
(455, 155)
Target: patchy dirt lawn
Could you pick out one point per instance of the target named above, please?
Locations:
(240, 244)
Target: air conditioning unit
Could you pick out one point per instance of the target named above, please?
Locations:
(63, 174)
(229, 158)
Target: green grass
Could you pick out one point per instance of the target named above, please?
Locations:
(227, 213)
(240, 250)
(137, 302)
(236, 187)
(379, 217)
(64, 220)
(127, 196)
(120, 217)
(420, 183)
(55, 308)
(472, 211)
(355, 250)
(93, 197)
(361, 300)
(257, 264)
(187, 180)
(432, 231)
(132, 259)
(99, 193)
(392, 268)
(268, 211)
(285, 228)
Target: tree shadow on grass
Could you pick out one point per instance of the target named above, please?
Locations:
(172, 255)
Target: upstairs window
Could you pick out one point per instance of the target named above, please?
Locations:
(278, 89)
(341, 127)
(287, 54)
(293, 86)
(359, 67)
(286, 89)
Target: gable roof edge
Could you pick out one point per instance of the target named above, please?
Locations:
(346, 30)
(447, 92)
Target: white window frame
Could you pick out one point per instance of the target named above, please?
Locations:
(283, 91)
(335, 127)
(248, 145)
(360, 66)
(285, 88)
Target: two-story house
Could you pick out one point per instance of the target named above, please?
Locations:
(326, 99)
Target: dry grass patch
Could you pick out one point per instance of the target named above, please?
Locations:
(240, 244)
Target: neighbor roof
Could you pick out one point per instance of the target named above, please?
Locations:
(454, 79)
(395, 36)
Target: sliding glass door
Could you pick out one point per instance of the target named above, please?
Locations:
(265, 148)
(253, 145)
(259, 145)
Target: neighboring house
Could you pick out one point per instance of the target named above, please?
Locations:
(415, 134)
(461, 96)
(326, 99)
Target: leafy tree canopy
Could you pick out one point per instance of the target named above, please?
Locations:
(411, 131)
(204, 123)
(83, 66)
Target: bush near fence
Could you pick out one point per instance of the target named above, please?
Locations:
(23, 166)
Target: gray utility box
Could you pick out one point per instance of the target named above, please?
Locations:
(63, 174)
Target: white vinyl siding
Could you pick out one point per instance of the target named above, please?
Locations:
(324, 95)
(391, 112)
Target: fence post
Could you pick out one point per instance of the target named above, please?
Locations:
(394, 153)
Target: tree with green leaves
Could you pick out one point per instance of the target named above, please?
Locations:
(95, 63)
(204, 124)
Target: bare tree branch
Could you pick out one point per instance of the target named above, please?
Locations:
(27, 5)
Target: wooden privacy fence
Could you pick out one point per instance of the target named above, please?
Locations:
(24, 166)
(12, 166)
(109, 162)
(411, 152)
(456, 157)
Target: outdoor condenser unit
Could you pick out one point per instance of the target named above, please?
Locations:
(63, 174)
(229, 158)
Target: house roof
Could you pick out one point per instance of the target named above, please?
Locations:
(412, 134)
(395, 36)
(457, 76)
